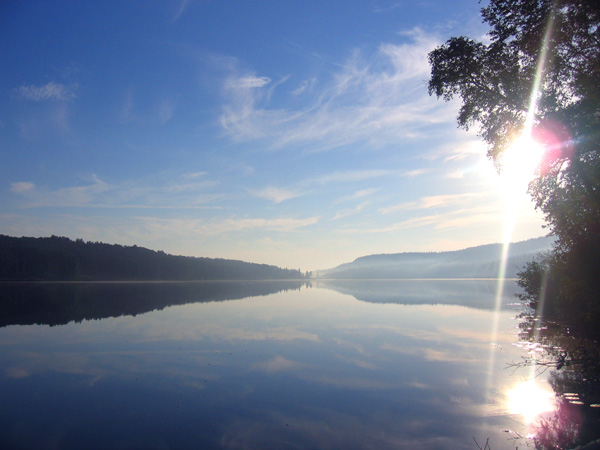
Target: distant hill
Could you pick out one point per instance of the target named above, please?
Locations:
(62, 259)
(474, 262)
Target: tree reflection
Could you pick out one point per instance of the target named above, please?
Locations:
(575, 379)
(61, 303)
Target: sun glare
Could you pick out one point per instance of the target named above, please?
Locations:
(519, 164)
(529, 399)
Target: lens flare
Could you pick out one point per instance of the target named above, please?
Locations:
(519, 167)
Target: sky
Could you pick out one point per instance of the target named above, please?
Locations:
(293, 133)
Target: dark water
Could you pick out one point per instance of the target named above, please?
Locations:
(377, 364)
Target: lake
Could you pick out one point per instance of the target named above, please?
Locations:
(415, 364)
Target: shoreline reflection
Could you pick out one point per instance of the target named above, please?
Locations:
(60, 303)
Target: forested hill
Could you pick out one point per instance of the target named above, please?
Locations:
(475, 262)
(62, 259)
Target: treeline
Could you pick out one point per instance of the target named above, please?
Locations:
(62, 259)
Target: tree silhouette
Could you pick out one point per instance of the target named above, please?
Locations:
(540, 72)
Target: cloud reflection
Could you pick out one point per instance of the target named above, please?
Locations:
(310, 368)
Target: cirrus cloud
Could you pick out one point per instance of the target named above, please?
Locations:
(371, 98)
(247, 82)
(276, 195)
(49, 91)
(21, 187)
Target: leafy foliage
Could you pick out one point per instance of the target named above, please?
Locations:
(542, 64)
(495, 81)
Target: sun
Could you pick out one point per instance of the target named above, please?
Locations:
(519, 163)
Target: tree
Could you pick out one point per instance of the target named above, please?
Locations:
(540, 74)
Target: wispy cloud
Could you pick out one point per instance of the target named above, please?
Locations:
(435, 201)
(349, 212)
(194, 174)
(415, 172)
(49, 91)
(182, 7)
(276, 195)
(409, 223)
(246, 82)
(126, 113)
(277, 224)
(370, 98)
(362, 193)
(161, 112)
(63, 197)
(166, 109)
(469, 217)
(188, 191)
(349, 176)
(305, 86)
(239, 115)
(466, 145)
(456, 218)
(218, 226)
(22, 187)
(382, 9)
(400, 207)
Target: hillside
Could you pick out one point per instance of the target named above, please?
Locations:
(474, 262)
(62, 259)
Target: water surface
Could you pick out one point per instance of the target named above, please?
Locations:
(378, 364)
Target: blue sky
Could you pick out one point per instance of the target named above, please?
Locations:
(295, 133)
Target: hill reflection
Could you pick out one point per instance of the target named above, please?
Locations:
(473, 293)
(61, 303)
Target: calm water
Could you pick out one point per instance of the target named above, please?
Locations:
(378, 364)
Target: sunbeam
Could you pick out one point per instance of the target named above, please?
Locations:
(519, 165)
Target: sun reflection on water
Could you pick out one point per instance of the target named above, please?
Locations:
(530, 399)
